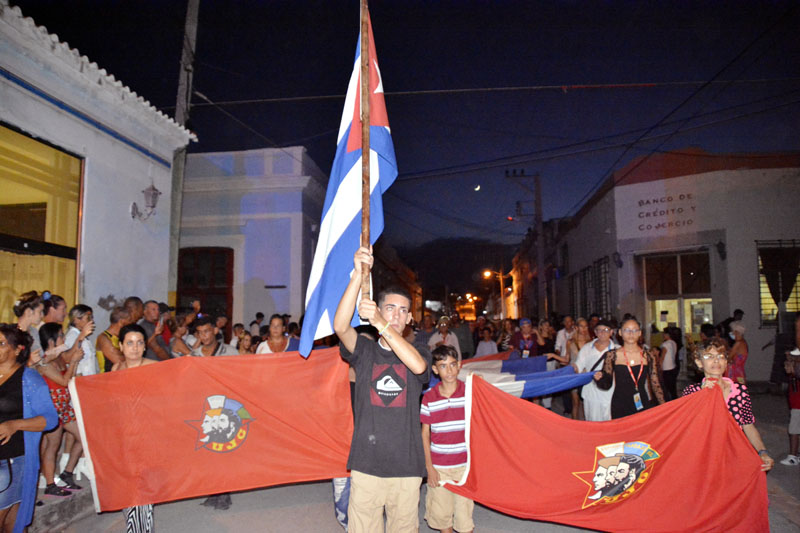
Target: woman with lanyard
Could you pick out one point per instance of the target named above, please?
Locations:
(634, 373)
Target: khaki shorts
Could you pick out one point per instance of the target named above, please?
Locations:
(794, 422)
(445, 509)
(370, 495)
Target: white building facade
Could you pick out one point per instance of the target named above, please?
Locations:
(256, 211)
(79, 148)
(684, 238)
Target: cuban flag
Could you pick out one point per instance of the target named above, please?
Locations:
(340, 230)
(523, 378)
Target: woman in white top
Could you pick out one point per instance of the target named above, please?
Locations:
(81, 320)
(276, 341)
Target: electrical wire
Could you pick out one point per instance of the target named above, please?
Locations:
(242, 123)
(451, 218)
(541, 155)
(609, 172)
(562, 87)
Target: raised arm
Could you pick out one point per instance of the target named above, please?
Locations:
(344, 312)
(401, 347)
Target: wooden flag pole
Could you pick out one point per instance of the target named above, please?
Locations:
(365, 176)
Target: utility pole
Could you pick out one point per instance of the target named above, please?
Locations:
(540, 274)
(179, 159)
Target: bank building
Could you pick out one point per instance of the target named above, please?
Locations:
(679, 239)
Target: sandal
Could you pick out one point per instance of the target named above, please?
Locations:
(54, 490)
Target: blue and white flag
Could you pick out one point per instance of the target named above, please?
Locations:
(524, 378)
(340, 230)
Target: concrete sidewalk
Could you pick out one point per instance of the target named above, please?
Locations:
(308, 507)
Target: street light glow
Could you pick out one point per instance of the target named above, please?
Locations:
(487, 274)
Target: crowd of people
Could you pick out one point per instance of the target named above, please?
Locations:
(392, 449)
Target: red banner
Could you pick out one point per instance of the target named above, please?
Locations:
(195, 426)
(682, 466)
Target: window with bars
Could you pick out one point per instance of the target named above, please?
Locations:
(602, 294)
(589, 290)
(778, 278)
(573, 294)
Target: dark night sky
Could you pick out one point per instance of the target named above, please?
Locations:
(449, 142)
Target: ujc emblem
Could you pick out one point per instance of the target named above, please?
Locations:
(620, 469)
(224, 425)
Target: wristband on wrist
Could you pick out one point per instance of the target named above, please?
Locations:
(762, 451)
(381, 332)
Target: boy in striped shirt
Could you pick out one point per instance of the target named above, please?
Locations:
(442, 417)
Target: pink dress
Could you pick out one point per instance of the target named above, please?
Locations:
(736, 368)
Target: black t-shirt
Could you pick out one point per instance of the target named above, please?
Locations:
(11, 409)
(386, 435)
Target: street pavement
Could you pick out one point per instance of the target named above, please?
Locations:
(308, 507)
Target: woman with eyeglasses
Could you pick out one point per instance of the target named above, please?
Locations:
(713, 360)
(634, 373)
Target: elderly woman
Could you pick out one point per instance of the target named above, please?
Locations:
(634, 373)
(24, 414)
(713, 359)
(738, 354)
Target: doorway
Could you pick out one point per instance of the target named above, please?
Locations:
(206, 274)
(677, 293)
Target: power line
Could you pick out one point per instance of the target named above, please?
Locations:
(539, 155)
(451, 218)
(242, 123)
(564, 88)
(736, 58)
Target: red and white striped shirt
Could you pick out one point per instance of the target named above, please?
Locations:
(446, 418)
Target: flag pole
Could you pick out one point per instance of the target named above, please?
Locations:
(365, 177)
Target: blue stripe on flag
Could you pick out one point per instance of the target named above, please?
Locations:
(340, 230)
(529, 364)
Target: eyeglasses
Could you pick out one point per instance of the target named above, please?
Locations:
(602, 330)
(708, 356)
(628, 330)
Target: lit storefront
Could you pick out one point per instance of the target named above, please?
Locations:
(684, 238)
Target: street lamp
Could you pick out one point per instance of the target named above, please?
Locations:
(488, 274)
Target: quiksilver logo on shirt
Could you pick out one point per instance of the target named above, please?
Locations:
(388, 386)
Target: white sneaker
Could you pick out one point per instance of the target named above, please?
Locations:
(791, 460)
